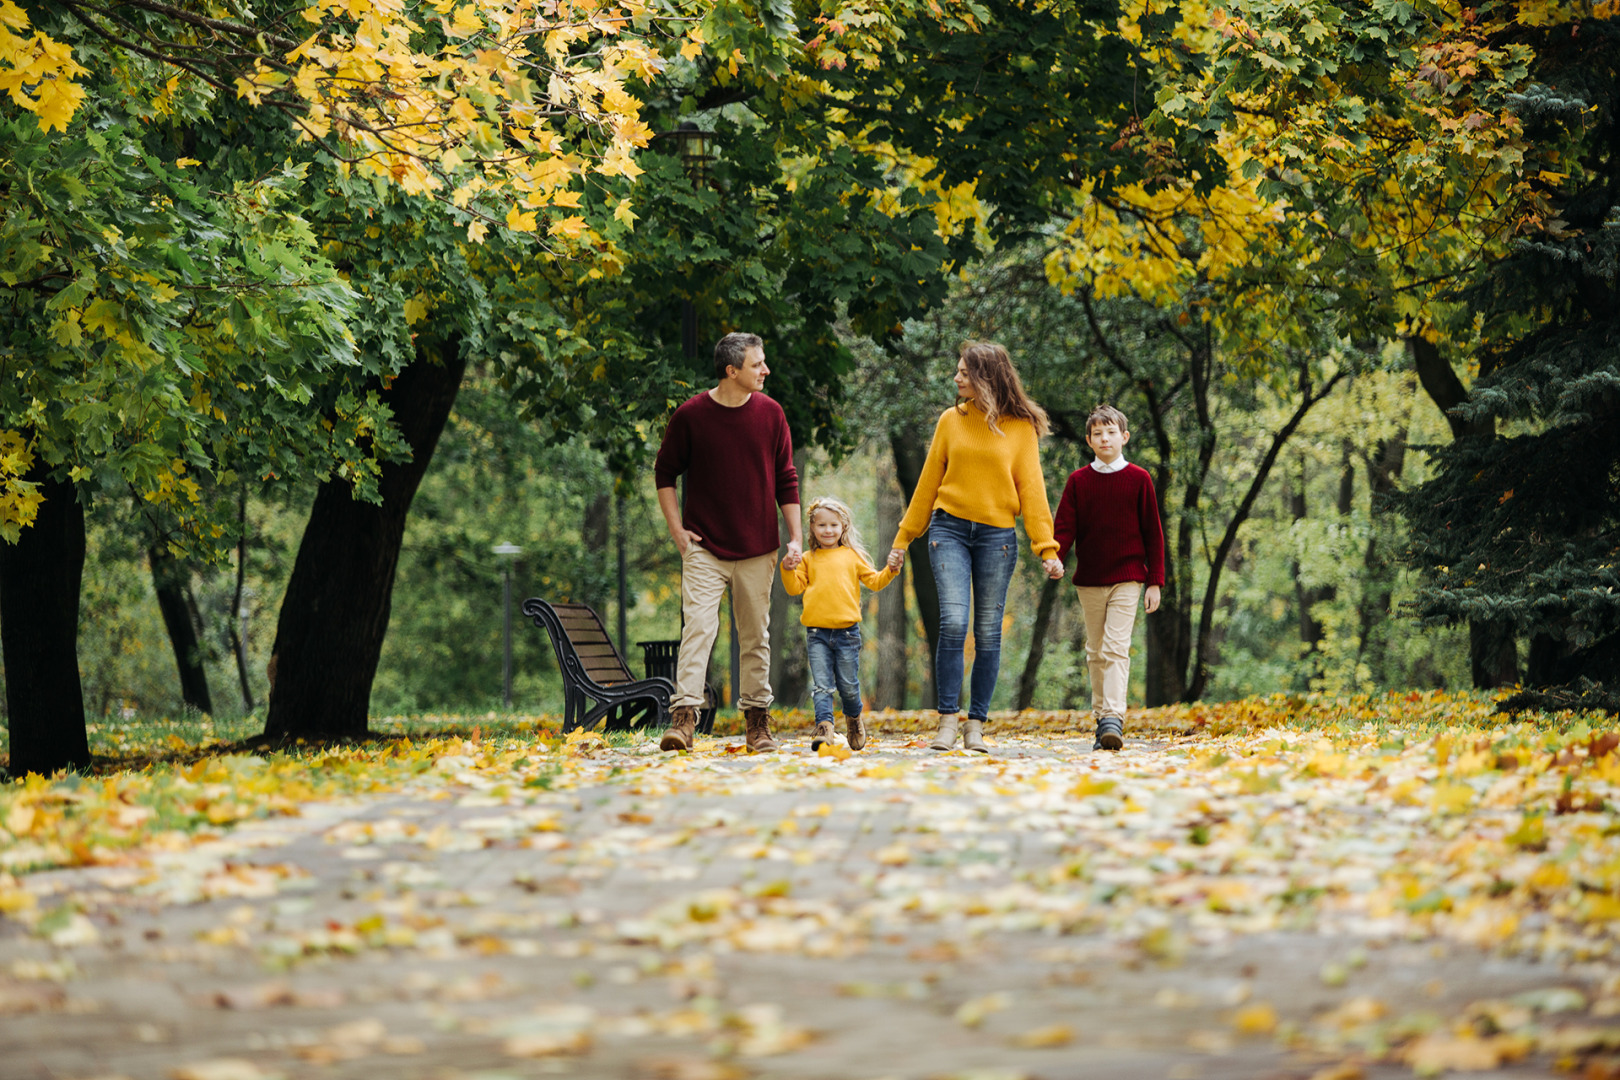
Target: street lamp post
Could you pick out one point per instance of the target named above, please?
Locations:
(695, 158)
(507, 553)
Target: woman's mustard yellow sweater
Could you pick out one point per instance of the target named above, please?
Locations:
(831, 580)
(973, 473)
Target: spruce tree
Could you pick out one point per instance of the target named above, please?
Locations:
(1521, 524)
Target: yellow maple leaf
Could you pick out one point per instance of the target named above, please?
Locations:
(57, 101)
(518, 221)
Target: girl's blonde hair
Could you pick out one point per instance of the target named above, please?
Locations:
(850, 538)
(997, 388)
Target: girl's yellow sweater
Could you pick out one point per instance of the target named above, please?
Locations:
(831, 580)
(973, 473)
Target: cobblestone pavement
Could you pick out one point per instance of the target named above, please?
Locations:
(927, 921)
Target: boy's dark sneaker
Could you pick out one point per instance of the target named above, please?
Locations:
(1110, 733)
(824, 734)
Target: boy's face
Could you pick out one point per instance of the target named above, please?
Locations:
(1107, 442)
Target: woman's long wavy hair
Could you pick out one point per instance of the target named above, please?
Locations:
(850, 538)
(997, 389)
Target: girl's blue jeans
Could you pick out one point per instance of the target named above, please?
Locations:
(835, 661)
(973, 565)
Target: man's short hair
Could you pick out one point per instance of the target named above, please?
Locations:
(1106, 414)
(732, 350)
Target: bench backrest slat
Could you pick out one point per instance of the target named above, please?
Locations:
(585, 632)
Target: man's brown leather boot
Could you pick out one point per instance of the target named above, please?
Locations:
(682, 729)
(759, 731)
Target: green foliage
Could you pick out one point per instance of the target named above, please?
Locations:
(162, 322)
(1525, 528)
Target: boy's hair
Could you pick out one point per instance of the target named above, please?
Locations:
(1106, 414)
(850, 538)
(732, 350)
(996, 386)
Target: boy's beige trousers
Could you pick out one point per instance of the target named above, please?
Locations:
(1110, 614)
(704, 579)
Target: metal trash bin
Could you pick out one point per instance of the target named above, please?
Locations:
(659, 660)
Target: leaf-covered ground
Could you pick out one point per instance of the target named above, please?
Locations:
(1289, 887)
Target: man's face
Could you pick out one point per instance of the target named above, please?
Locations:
(1107, 442)
(751, 376)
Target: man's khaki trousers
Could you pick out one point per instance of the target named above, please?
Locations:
(1110, 614)
(704, 580)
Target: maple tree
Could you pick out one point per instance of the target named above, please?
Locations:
(171, 316)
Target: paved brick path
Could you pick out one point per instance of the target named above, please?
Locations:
(639, 929)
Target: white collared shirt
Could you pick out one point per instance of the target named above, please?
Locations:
(1119, 463)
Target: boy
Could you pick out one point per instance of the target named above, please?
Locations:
(1110, 513)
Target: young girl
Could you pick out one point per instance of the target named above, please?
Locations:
(830, 576)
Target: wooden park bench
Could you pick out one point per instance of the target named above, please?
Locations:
(593, 671)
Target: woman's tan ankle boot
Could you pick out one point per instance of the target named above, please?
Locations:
(945, 739)
(973, 737)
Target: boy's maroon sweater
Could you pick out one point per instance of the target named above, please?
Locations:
(739, 467)
(1112, 522)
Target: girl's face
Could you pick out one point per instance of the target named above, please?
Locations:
(964, 388)
(826, 528)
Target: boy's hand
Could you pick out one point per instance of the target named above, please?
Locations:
(897, 558)
(1150, 599)
(1053, 567)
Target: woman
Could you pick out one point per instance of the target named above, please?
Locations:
(983, 471)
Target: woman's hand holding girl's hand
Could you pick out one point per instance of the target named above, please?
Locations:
(1053, 567)
(897, 558)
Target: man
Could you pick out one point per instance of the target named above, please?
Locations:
(732, 444)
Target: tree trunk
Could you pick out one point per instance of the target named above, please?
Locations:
(1050, 591)
(169, 580)
(910, 452)
(890, 689)
(335, 612)
(1493, 658)
(595, 534)
(1167, 633)
(1493, 655)
(1384, 468)
(238, 642)
(40, 577)
(1310, 630)
(790, 663)
(1204, 650)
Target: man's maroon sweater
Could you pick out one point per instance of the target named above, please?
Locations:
(739, 467)
(1112, 522)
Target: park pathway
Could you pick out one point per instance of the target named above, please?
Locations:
(1193, 907)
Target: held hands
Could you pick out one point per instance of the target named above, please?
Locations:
(897, 558)
(1150, 599)
(794, 556)
(1054, 568)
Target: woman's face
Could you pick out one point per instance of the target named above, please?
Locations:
(964, 388)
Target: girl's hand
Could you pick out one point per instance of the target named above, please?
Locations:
(1053, 568)
(897, 558)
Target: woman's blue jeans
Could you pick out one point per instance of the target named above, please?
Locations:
(835, 660)
(972, 563)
